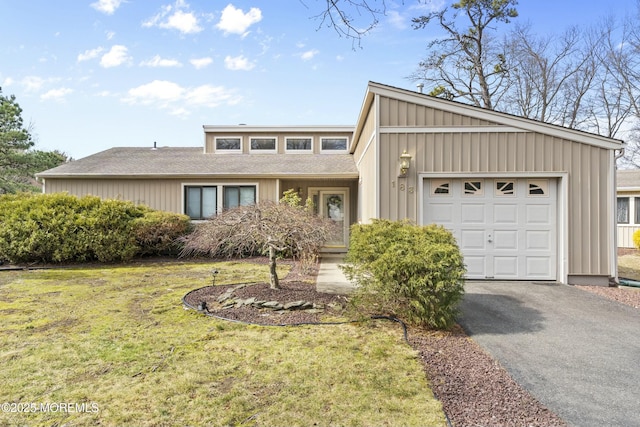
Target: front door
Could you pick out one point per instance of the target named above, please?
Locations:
(334, 205)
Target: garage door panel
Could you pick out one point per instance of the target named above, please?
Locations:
(505, 227)
(538, 214)
(538, 267)
(475, 266)
(473, 240)
(473, 213)
(505, 266)
(538, 240)
(442, 213)
(505, 239)
(505, 213)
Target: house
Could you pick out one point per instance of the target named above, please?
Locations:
(526, 200)
(628, 206)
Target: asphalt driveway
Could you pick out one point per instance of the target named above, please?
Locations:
(576, 352)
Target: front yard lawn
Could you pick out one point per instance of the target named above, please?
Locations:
(114, 346)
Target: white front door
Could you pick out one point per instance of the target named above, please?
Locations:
(334, 205)
(506, 228)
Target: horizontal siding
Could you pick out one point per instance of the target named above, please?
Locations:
(495, 153)
(161, 194)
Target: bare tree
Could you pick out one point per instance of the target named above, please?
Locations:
(265, 227)
(468, 63)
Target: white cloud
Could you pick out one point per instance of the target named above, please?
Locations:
(118, 55)
(235, 21)
(168, 95)
(56, 94)
(175, 18)
(89, 54)
(32, 83)
(160, 92)
(199, 63)
(397, 20)
(308, 55)
(7, 82)
(110, 35)
(339, 58)
(106, 6)
(238, 63)
(157, 61)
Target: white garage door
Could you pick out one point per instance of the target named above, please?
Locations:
(506, 228)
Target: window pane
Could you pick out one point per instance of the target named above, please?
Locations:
(228, 144)
(334, 143)
(637, 199)
(263, 143)
(298, 143)
(247, 196)
(193, 202)
(623, 210)
(231, 197)
(209, 202)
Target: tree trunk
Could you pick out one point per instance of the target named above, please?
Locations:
(273, 274)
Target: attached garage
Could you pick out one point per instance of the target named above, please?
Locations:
(525, 200)
(505, 226)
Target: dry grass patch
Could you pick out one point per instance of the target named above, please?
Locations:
(629, 266)
(119, 338)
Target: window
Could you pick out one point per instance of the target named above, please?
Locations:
(637, 209)
(538, 187)
(299, 145)
(241, 195)
(473, 188)
(201, 201)
(333, 144)
(264, 145)
(440, 186)
(505, 188)
(623, 210)
(228, 144)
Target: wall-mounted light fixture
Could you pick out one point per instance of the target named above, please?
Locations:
(405, 162)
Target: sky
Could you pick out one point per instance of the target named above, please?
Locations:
(95, 74)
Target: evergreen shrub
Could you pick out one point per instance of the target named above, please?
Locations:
(412, 272)
(58, 228)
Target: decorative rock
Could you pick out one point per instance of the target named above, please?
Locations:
(295, 305)
(314, 310)
(275, 305)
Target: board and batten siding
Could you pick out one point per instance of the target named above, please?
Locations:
(588, 191)
(160, 194)
(366, 162)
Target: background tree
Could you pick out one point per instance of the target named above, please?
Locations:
(266, 227)
(467, 63)
(18, 162)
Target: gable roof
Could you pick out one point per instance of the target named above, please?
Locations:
(505, 119)
(190, 162)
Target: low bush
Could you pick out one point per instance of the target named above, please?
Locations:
(636, 239)
(408, 271)
(59, 228)
(157, 232)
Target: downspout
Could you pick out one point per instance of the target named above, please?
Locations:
(617, 156)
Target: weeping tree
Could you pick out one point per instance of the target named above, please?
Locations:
(276, 229)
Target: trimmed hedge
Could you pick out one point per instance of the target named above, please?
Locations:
(401, 269)
(59, 228)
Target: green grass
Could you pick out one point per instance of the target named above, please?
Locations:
(629, 266)
(118, 339)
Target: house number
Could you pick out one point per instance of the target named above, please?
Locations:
(411, 190)
(401, 187)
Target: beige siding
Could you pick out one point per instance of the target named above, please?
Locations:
(161, 194)
(394, 112)
(302, 186)
(280, 139)
(494, 153)
(365, 159)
